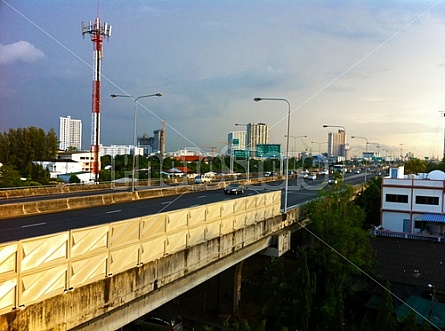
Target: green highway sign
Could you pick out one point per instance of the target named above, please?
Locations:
(268, 150)
(241, 153)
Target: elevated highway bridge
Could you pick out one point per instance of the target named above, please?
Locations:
(104, 276)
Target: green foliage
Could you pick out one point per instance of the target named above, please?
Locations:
(9, 177)
(409, 323)
(386, 319)
(370, 200)
(338, 247)
(415, 166)
(74, 179)
(18, 148)
(426, 326)
(435, 166)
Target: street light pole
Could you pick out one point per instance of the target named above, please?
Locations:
(366, 153)
(344, 156)
(286, 175)
(295, 146)
(247, 153)
(135, 101)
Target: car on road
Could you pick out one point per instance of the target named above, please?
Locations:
(234, 189)
(304, 174)
(332, 181)
(325, 172)
(159, 321)
(312, 177)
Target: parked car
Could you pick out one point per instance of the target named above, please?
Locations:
(312, 177)
(234, 189)
(159, 321)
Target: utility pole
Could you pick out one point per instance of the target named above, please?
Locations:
(442, 113)
(97, 32)
(401, 152)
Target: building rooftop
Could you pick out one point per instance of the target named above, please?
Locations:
(411, 262)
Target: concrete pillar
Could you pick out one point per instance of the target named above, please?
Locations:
(229, 291)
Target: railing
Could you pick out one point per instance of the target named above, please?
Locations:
(405, 235)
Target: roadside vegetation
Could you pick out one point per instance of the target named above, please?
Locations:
(328, 286)
(18, 148)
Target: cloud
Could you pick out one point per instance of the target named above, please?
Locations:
(21, 51)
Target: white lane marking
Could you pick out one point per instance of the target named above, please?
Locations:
(166, 202)
(202, 196)
(113, 211)
(194, 206)
(35, 224)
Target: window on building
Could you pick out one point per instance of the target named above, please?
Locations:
(425, 200)
(401, 198)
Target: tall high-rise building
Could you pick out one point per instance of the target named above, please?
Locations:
(257, 134)
(70, 133)
(155, 144)
(337, 143)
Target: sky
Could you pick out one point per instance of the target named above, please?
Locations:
(376, 68)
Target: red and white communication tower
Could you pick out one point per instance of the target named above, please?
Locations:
(97, 32)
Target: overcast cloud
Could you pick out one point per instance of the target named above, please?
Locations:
(374, 67)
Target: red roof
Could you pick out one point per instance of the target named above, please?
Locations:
(184, 170)
(191, 158)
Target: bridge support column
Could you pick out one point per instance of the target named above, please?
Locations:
(229, 291)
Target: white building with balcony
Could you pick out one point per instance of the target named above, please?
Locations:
(414, 204)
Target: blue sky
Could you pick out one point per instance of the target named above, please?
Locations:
(374, 67)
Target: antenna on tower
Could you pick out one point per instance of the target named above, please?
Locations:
(97, 32)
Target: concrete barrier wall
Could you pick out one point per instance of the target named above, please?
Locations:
(36, 269)
(57, 205)
(48, 190)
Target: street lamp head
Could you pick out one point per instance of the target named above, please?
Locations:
(325, 126)
(113, 95)
(158, 95)
(257, 99)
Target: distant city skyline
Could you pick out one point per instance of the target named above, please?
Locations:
(376, 68)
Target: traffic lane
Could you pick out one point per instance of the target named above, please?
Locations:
(58, 196)
(90, 193)
(39, 225)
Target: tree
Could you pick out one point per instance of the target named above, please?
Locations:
(409, 323)
(301, 296)
(370, 200)
(415, 166)
(9, 177)
(74, 179)
(337, 247)
(386, 319)
(18, 148)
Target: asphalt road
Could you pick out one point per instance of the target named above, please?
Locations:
(299, 191)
